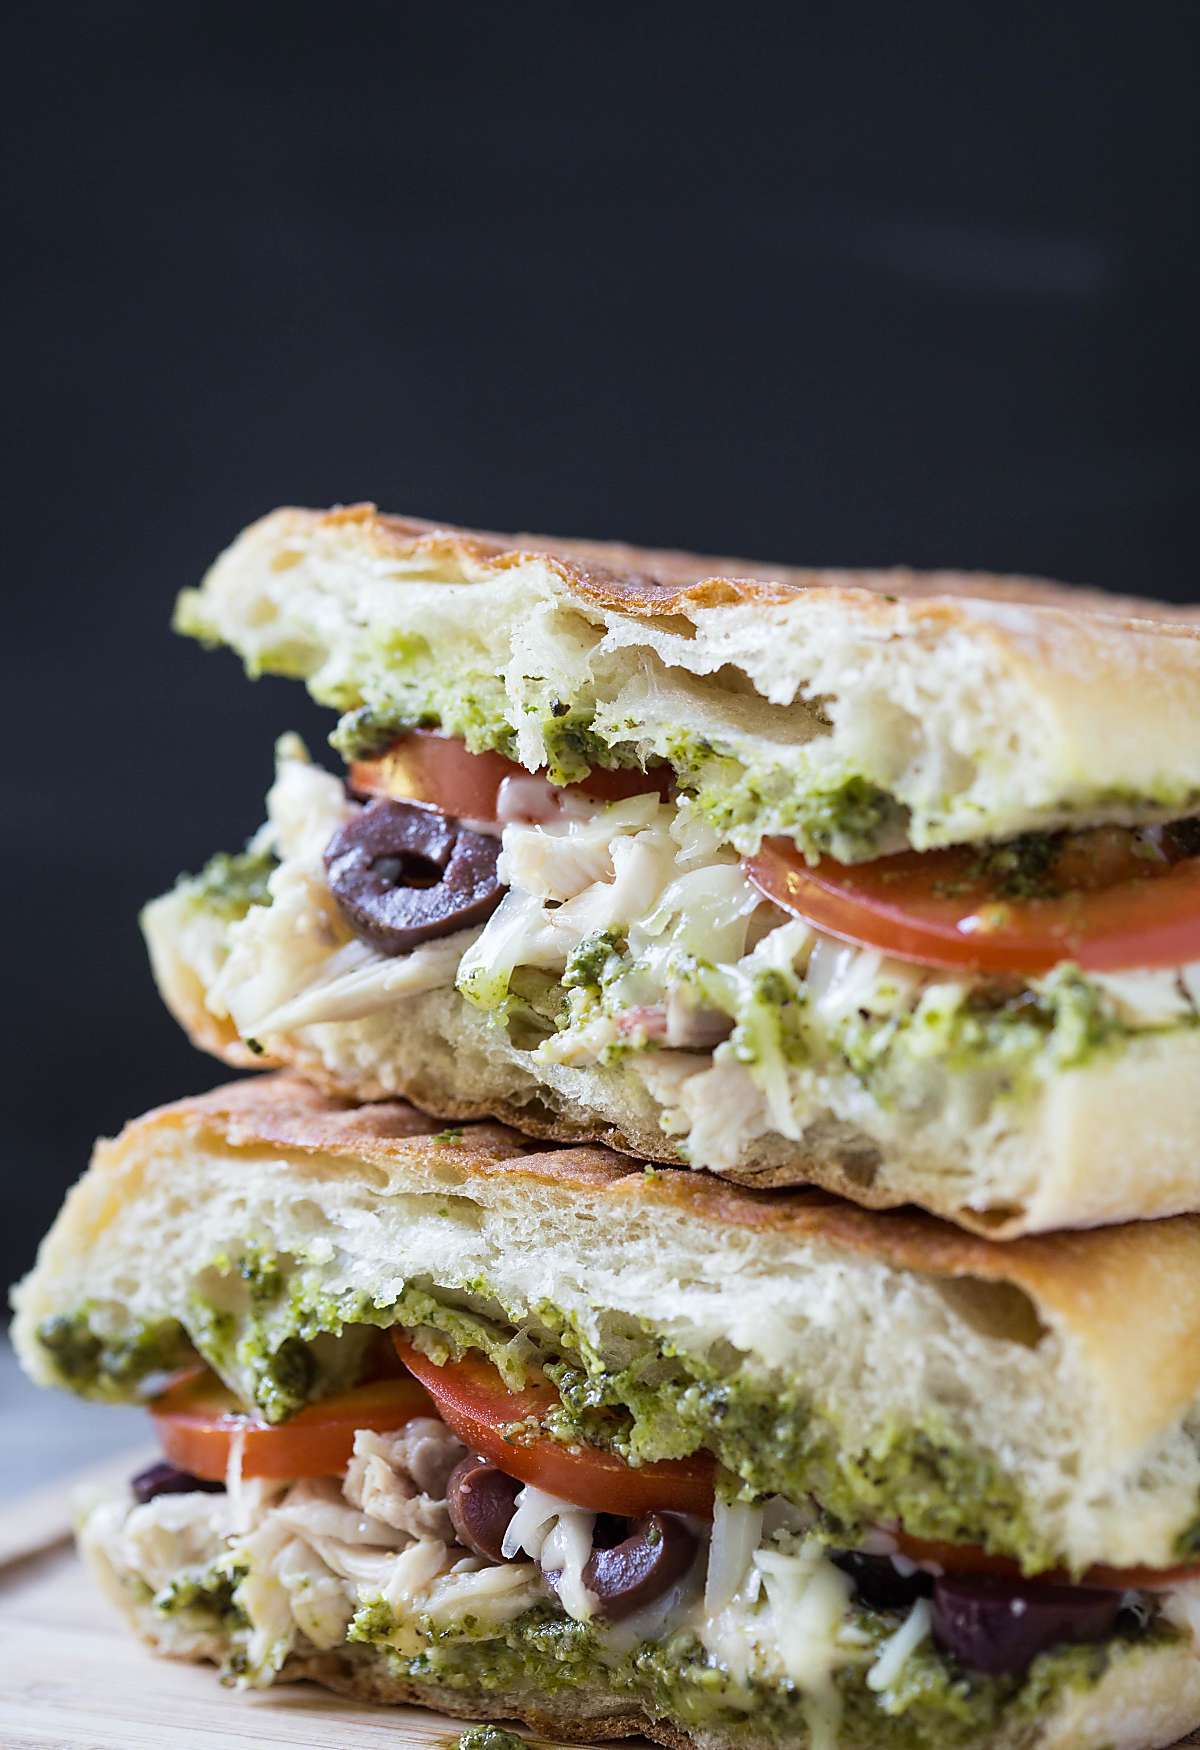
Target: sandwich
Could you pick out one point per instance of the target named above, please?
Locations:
(448, 1416)
(883, 883)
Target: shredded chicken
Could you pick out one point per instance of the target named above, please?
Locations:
(316, 1507)
(401, 1478)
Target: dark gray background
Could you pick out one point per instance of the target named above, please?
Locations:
(888, 283)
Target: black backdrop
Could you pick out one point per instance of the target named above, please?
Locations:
(888, 283)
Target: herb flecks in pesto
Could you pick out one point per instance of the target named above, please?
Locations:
(587, 964)
(95, 1360)
(271, 1328)
(210, 1592)
(489, 1737)
(846, 817)
(1053, 865)
(243, 1318)
(932, 1704)
(366, 733)
(231, 882)
(1018, 1037)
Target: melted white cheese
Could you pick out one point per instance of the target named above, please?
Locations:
(558, 1537)
(899, 1648)
(736, 1534)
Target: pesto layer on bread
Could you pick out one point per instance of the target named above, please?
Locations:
(1038, 1400)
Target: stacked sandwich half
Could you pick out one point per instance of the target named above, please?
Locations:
(752, 1332)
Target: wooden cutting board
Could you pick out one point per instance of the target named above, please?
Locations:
(73, 1678)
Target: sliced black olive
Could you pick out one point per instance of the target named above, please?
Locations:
(481, 1500)
(879, 1584)
(403, 875)
(658, 1550)
(168, 1479)
(1000, 1626)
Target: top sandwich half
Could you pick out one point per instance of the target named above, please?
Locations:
(881, 881)
(854, 714)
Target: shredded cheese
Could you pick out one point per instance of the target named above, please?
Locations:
(896, 1651)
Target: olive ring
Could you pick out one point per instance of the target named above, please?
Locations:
(403, 875)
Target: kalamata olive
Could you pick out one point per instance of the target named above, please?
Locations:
(168, 1479)
(879, 1584)
(658, 1550)
(1000, 1626)
(402, 875)
(481, 1500)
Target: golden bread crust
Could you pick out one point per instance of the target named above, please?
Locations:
(657, 581)
(1129, 1295)
(1112, 681)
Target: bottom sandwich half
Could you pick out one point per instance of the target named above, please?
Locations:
(548, 1436)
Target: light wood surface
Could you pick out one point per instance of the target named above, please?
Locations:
(73, 1678)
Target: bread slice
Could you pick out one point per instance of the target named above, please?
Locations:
(853, 711)
(1040, 1398)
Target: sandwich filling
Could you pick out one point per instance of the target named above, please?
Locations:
(600, 949)
(402, 1544)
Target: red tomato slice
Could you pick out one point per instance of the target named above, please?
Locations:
(197, 1419)
(427, 767)
(966, 1558)
(932, 907)
(473, 1399)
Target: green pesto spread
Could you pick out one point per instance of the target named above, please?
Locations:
(546, 1655)
(848, 818)
(490, 1737)
(370, 730)
(231, 882)
(245, 1318)
(113, 1366)
(573, 748)
(1011, 1038)
(648, 1400)
(1017, 1038)
(587, 965)
(206, 1592)
(933, 1703)
(276, 1334)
